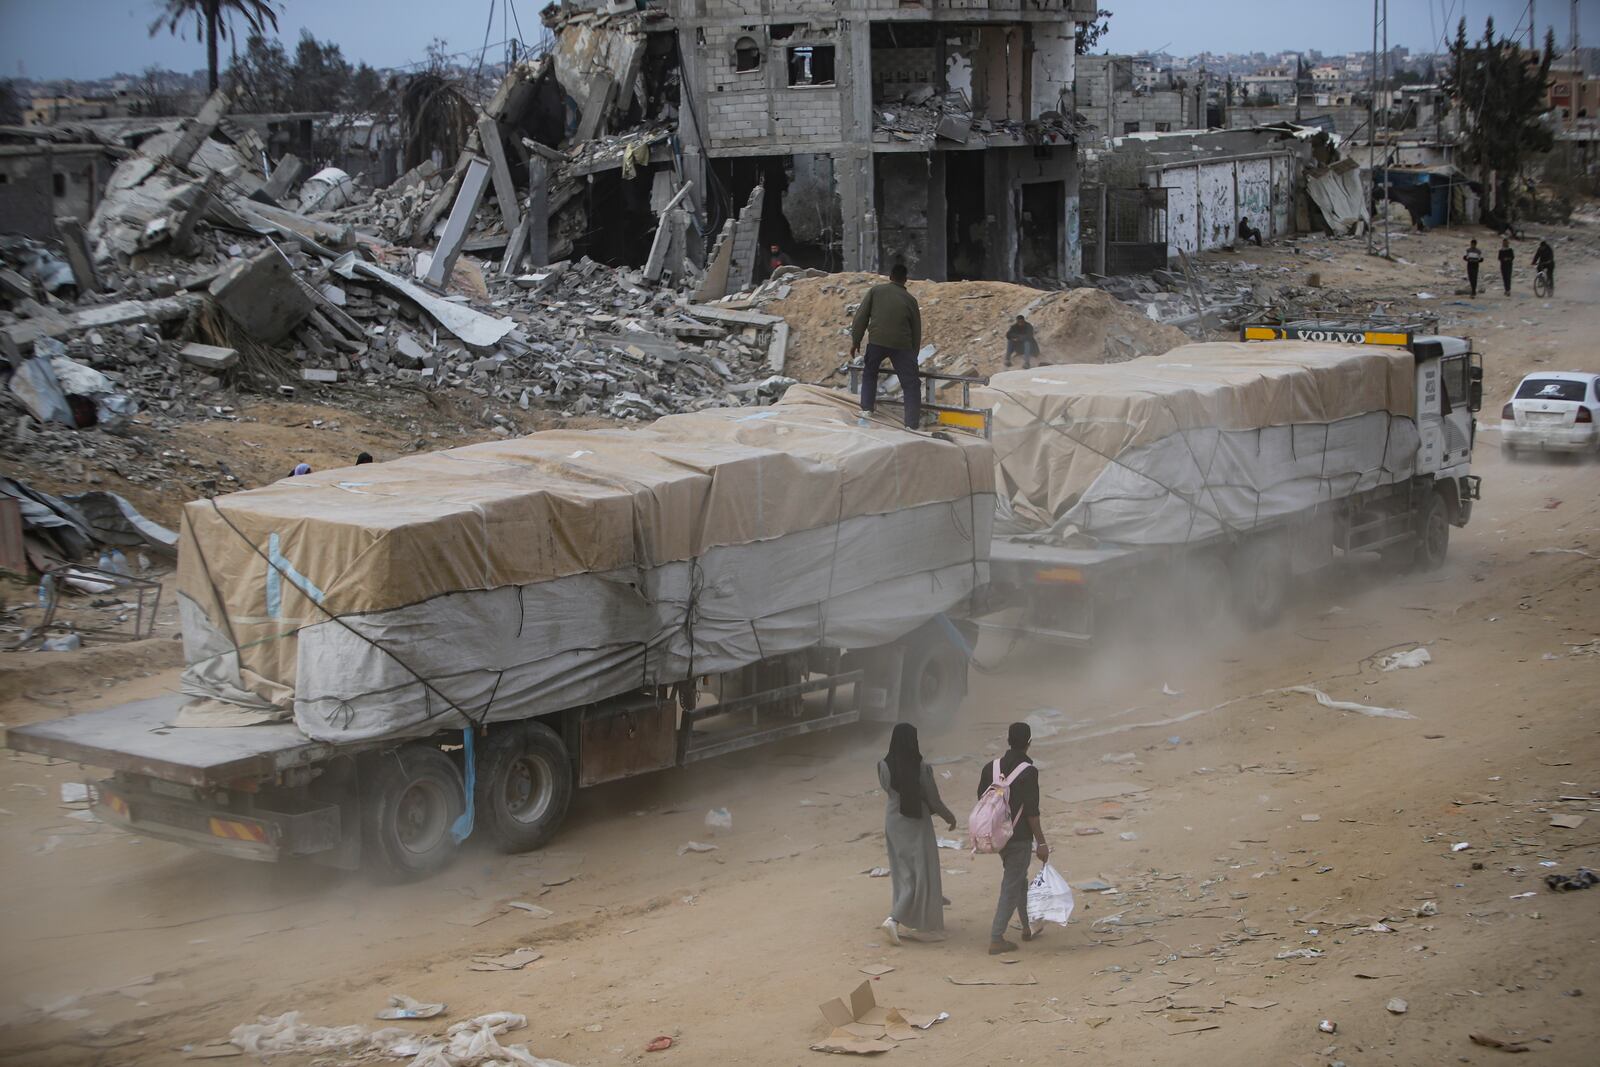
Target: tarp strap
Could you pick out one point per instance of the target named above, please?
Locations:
(462, 828)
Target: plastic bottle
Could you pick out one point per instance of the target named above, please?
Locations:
(47, 586)
(119, 562)
(104, 562)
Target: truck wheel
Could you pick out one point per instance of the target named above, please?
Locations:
(933, 681)
(1433, 534)
(1260, 579)
(524, 785)
(412, 798)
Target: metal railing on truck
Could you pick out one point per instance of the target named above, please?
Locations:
(962, 416)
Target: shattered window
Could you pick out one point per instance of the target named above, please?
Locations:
(746, 55)
(811, 65)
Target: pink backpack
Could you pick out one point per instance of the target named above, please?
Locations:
(990, 823)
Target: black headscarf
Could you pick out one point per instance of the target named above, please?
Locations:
(905, 769)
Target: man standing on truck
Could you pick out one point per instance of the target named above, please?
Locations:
(1023, 797)
(892, 324)
(1474, 260)
(1507, 256)
(1021, 342)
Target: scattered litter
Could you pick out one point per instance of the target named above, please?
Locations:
(1167, 690)
(875, 872)
(1460, 846)
(695, 846)
(74, 793)
(660, 1044)
(1252, 1002)
(1310, 818)
(1568, 822)
(1429, 909)
(532, 909)
(1095, 885)
(1300, 954)
(876, 969)
(1501, 1043)
(949, 842)
(719, 819)
(1396, 1006)
(1026, 979)
(1328, 1026)
(1562, 883)
(61, 642)
(1345, 705)
(862, 1027)
(404, 1007)
(511, 961)
(1523, 896)
(1127, 835)
(1405, 661)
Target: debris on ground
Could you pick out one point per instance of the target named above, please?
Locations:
(404, 1007)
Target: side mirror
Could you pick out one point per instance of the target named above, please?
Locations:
(1475, 388)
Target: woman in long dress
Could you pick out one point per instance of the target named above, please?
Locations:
(908, 830)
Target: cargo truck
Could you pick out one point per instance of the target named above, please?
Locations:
(1214, 475)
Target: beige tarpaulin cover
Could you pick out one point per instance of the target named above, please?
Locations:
(1166, 448)
(431, 560)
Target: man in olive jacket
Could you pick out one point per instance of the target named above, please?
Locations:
(892, 324)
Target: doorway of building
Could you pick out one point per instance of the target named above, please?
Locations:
(966, 220)
(1043, 205)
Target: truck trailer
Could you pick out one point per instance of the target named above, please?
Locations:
(1215, 474)
(386, 659)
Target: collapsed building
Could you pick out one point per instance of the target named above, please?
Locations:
(846, 134)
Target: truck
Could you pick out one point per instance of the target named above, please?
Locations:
(467, 638)
(1072, 587)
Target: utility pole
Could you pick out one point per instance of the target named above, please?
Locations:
(1386, 132)
(1532, 19)
(1372, 113)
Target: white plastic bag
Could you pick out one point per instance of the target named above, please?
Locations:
(1049, 897)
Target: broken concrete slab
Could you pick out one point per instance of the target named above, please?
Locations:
(198, 129)
(315, 374)
(473, 183)
(283, 176)
(505, 191)
(657, 259)
(211, 357)
(17, 340)
(70, 230)
(263, 296)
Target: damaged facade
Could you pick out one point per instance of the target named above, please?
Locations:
(874, 130)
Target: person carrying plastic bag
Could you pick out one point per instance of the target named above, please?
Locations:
(1049, 898)
(1008, 799)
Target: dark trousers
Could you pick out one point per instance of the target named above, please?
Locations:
(1026, 349)
(1013, 884)
(1550, 269)
(904, 362)
(1505, 276)
(1472, 276)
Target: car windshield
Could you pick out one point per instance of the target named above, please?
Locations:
(1549, 389)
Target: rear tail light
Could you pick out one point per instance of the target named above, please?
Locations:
(1507, 414)
(1584, 415)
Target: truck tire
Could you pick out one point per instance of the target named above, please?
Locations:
(1433, 534)
(1259, 575)
(411, 798)
(524, 785)
(933, 680)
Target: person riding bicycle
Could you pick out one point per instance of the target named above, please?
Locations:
(1544, 259)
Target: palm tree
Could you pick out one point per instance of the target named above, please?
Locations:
(211, 18)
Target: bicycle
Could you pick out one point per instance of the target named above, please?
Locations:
(1542, 284)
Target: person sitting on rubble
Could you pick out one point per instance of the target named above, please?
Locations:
(1020, 341)
(892, 324)
(1248, 232)
(776, 257)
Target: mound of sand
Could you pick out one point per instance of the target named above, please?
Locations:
(967, 322)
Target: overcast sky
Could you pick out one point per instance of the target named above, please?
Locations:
(98, 38)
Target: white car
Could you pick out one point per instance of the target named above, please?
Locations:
(1553, 411)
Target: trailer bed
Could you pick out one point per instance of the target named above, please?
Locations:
(136, 738)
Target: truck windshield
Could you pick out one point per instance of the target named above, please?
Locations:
(1549, 389)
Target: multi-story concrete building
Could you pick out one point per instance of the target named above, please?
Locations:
(1111, 99)
(938, 132)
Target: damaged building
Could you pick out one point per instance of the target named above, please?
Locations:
(845, 134)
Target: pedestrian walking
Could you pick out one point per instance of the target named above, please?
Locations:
(1544, 259)
(1028, 835)
(1474, 259)
(891, 322)
(1507, 256)
(1020, 341)
(913, 801)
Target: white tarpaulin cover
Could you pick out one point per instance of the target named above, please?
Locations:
(1207, 438)
(1340, 196)
(514, 578)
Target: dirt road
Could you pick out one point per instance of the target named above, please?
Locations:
(1271, 862)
